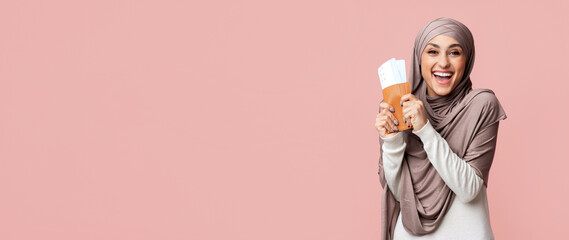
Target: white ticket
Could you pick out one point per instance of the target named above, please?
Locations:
(392, 72)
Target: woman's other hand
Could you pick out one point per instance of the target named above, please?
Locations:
(385, 122)
(413, 112)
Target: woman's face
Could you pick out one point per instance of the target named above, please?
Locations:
(442, 65)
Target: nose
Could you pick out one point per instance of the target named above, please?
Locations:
(443, 61)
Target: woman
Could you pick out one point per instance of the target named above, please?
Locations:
(435, 176)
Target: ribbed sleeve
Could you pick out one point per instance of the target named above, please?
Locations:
(393, 149)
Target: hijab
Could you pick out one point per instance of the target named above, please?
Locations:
(458, 117)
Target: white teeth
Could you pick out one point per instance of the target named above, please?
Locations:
(443, 74)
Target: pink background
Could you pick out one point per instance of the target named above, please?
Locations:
(253, 119)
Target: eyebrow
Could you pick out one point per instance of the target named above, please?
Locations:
(452, 45)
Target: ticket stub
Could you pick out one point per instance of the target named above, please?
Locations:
(392, 72)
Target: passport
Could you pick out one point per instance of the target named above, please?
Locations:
(394, 85)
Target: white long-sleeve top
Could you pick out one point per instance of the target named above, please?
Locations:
(468, 216)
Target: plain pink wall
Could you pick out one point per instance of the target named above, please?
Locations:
(253, 119)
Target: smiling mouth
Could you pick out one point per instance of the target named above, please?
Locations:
(443, 78)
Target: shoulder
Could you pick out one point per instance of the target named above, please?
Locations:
(483, 102)
(483, 99)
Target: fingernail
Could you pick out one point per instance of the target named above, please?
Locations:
(396, 129)
(401, 103)
(404, 120)
(396, 122)
(391, 109)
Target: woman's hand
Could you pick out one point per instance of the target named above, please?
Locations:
(385, 122)
(413, 112)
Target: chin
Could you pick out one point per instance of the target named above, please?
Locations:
(443, 92)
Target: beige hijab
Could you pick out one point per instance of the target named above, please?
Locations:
(460, 118)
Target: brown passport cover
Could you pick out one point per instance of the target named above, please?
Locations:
(392, 96)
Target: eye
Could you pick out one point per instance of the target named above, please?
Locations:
(432, 52)
(456, 53)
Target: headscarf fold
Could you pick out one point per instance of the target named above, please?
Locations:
(459, 117)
